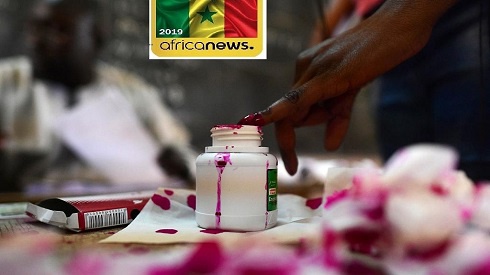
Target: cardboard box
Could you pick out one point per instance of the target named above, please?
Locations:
(90, 212)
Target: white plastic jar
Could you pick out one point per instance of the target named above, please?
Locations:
(236, 181)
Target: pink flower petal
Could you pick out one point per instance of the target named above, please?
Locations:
(335, 197)
(207, 258)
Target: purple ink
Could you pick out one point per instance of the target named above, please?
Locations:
(266, 179)
(160, 201)
(266, 219)
(314, 203)
(215, 231)
(253, 119)
(228, 126)
(167, 231)
(212, 231)
(191, 201)
(220, 161)
(259, 130)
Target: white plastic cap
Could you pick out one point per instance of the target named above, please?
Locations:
(236, 135)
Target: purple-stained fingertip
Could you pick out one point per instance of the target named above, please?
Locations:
(255, 119)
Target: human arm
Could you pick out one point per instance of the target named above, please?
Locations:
(329, 75)
(336, 11)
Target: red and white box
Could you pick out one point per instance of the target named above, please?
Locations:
(90, 212)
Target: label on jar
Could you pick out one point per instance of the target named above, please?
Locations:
(271, 189)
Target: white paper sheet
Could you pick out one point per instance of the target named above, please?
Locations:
(298, 218)
(108, 135)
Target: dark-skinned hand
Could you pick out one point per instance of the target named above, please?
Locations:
(329, 75)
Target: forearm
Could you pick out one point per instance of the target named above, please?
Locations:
(338, 9)
(397, 31)
(423, 11)
(409, 22)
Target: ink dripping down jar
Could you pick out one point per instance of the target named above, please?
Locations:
(236, 181)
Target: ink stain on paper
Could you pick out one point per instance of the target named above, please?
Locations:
(191, 201)
(314, 203)
(167, 231)
(212, 231)
(161, 201)
(215, 231)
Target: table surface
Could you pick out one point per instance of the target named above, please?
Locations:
(66, 246)
(25, 237)
(13, 223)
(67, 241)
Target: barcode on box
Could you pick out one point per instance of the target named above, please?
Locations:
(106, 218)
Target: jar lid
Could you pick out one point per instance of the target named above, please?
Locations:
(236, 135)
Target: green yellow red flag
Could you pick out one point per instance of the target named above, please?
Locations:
(206, 18)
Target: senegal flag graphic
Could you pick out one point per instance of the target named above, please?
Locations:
(206, 18)
(208, 29)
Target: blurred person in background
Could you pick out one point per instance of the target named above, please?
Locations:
(62, 71)
(431, 58)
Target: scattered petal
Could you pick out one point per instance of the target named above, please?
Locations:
(205, 259)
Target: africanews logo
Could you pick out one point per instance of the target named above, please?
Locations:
(204, 46)
(208, 29)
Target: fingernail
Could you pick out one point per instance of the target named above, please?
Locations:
(253, 119)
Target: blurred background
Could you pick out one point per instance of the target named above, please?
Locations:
(207, 92)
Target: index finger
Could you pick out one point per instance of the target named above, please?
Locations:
(295, 102)
(275, 112)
